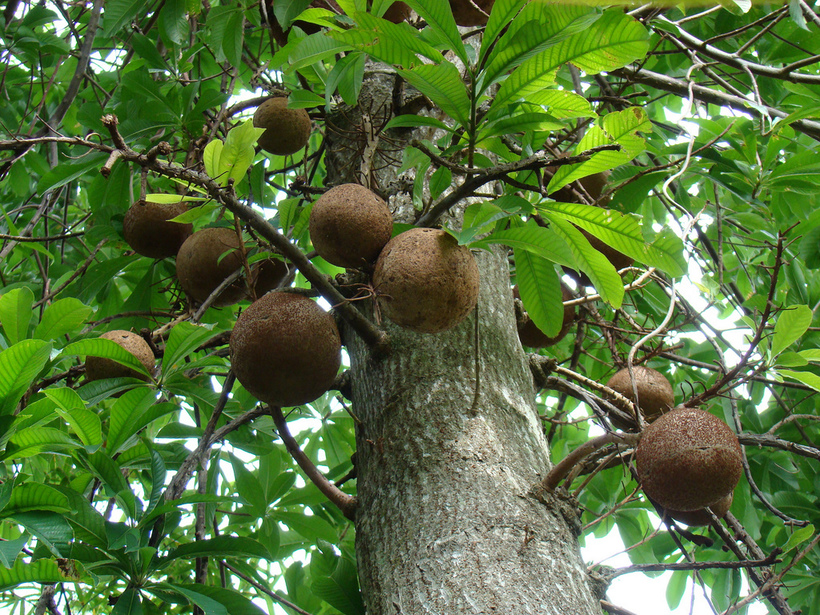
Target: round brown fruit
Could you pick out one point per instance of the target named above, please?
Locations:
(532, 337)
(655, 394)
(702, 516)
(286, 130)
(688, 459)
(285, 349)
(425, 281)
(349, 225)
(201, 266)
(97, 368)
(268, 274)
(471, 12)
(147, 231)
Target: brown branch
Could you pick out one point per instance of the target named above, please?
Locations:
(768, 561)
(772, 441)
(480, 177)
(560, 470)
(344, 502)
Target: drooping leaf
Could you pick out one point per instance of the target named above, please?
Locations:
(34, 496)
(106, 349)
(63, 317)
(442, 84)
(85, 423)
(440, 18)
(128, 603)
(221, 546)
(15, 313)
(540, 291)
(39, 571)
(537, 239)
(791, 324)
(19, 365)
(133, 411)
(50, 528)
(33, 441)
(623, 233)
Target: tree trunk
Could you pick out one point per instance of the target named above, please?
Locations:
(447, 523)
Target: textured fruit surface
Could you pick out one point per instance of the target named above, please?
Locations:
(147, 230)
(532, 337)
(285, 349)
(349, 225)
(97, 368)
(471, 12)
(702, 516)
(425, 281)
(201, 266)
(268, 274)
(286, 130)
(688, 459)
(655, 394)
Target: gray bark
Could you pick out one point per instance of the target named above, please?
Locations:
(447, 523)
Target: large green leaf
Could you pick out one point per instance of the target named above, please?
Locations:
(539, 240)
(440, 18)
(442, 84)
(623, 232)
(85, 423)
(233, 601)
(208, 605)
(315, 48)
(39, 571)
(50, 528)
(33, 441)
(19, 365)
(15, 313)
(133, 411)
(600, 271)
(333, 578)
(540, 291)
(791, 324)
(128, 603)
(64, 316)
(501, 16)
(396, 44)
(590, 43)
(184, 338)
(109, 472)
(106, 349)
(35, 496)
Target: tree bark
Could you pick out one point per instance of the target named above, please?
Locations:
(447, 523)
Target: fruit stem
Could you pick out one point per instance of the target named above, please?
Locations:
(562, 469)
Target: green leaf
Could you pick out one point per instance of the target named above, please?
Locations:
(233, 601)
(798, 537)
(34, 496)
(812, 354)
(539, 240)
(106, 349)
(101, 465)
(501, 15)
(791, 324)
(36, 440)
(133, 411)
(173, 21)
(169, 199)
(85, 423)
(387, 42)
(19, 365)
(442, 84)
(208, 605)
(346, 77)
(335, 581)
(479, 218)
(50, 528)
(117, 13)
(184, 338)
(807, 378)
(623, 232)
(128, 603)
(522, 122)
(221, 547)
(234, 36)
(210, 158)
(15, 313)
(237, 154)
(314, 49)
(439, 17)
(600, 271)
(9, 550)
(414, 121)
(540, 291)
(38, 571)
(63, 317)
